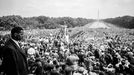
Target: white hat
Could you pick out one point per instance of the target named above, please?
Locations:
(31, 51)
(46, 53)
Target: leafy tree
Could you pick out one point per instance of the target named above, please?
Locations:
(41, 22)
(125, 21)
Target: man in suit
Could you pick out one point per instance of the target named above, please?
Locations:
(14, 58)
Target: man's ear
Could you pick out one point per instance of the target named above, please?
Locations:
(15, 34)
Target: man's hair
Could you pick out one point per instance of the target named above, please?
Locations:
(16, 30)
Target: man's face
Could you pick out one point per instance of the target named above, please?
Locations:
(19, 36)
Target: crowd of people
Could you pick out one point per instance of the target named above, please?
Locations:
(55, 56)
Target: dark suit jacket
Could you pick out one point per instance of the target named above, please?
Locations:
(14, 59)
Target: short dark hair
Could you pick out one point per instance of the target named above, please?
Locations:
(16, 30)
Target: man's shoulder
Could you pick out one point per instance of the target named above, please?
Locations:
(9, 45)
(7, 41)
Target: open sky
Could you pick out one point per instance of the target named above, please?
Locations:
(68, 8)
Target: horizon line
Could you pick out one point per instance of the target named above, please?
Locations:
(62, 16)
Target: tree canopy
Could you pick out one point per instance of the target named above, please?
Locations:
(124, 22)
(40, 22)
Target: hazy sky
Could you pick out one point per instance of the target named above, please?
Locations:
(69, 8)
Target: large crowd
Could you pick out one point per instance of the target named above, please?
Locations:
(56, 56)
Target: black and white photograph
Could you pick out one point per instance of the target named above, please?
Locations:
(66, 37)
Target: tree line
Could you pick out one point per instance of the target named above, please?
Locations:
(41, 22)
(124, 21)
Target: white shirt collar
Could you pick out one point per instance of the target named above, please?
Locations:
(16, 42)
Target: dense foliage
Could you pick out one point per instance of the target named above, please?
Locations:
(40, 22)
(125, 21)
